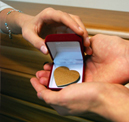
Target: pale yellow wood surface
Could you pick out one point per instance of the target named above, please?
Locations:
(92, 18)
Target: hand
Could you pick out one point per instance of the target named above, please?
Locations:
(51, 21)
(108, 63)
(94, 97)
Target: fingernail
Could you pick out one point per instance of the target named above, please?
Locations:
(44, 49)
(80, 29)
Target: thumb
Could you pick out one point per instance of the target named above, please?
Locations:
(36, 41)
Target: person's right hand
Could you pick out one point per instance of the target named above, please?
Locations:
(108, 63)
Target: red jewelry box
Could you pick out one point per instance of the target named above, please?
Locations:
(65, 50)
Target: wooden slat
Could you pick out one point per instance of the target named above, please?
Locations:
(124, 35)
(17, 85)
(33, 112)
(17, 42)
(19, 61)
(92, 18)
(4, 117)
(95, 20)
(22, 60)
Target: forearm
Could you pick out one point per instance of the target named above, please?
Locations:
(15, 20)
(114, 103)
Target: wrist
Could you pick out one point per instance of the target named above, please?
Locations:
(21, 18)
(18, 21)
(114, 103)
(101, 107)
(14, 20)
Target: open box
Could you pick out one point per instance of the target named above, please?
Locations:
(65, 50)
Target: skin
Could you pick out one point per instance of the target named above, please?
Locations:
(94, 97)
(110, 58)
(106, 69)
(48, 21)
(108, 64)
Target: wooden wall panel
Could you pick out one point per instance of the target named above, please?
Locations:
(7, 118)
(16, 87)
(92, 18)
(19, 61)
(22, 60)
(107, 21)
(31, 112)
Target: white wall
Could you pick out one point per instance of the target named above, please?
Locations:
(117, 5)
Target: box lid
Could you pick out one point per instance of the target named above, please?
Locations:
(65, 48)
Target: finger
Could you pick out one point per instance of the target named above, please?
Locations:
(47, 95)
(50, 97)
(44, 80)
(42, 73)
(36, 84)
(85, 34)
(89, 51)
(61, 17)
(35, 40)
(47, 66)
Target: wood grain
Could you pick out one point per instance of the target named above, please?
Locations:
(32, 112)
(22, 60)
(19, 61)
(16, 87)
(92, 18)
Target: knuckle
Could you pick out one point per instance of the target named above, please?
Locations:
(48, 11)
(77, 17)
(59, 11)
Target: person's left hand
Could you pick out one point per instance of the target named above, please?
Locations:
(51, 21)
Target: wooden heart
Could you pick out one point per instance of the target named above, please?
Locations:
(63, 76)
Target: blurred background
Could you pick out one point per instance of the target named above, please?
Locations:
(116, 5)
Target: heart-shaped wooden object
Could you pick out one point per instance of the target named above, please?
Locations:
(63, 76)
